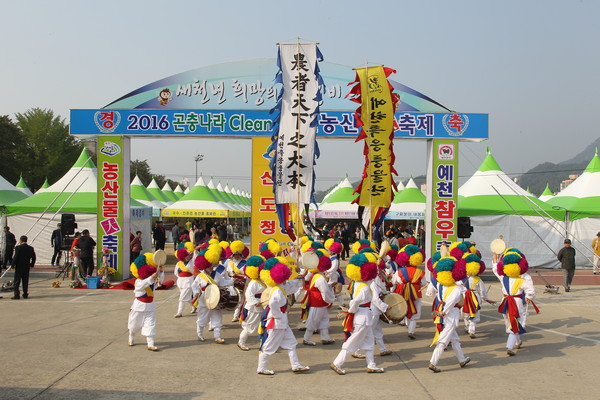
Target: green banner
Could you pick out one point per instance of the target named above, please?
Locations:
(111, 185)
(443, 186)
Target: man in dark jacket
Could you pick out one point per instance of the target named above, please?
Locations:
(86, 254)
(159, 235)
(56, 241)
(9, 247)
(23, 261)
(566, 256)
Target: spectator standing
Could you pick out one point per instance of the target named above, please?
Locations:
(596, 248)
(236, 231)
(86, 254)
(566, 256)
(159, 235)
(136, 245)
(9, 247)
(176, 233)
(222, 231)
(229, 232)
(56, 241)
(22, 262)
(346, 233)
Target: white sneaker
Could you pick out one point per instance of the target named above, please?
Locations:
(201, 338)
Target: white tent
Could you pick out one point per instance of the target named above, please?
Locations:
(75, 193)
(338, 204)
(498, 206)
(408, 203)
(581, 199)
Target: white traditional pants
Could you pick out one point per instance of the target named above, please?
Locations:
(279, 338)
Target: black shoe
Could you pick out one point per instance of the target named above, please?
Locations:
(15, 298)
(25, 296)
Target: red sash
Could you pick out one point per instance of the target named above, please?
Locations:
(185, 274)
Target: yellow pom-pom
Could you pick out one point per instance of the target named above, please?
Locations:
(373, 245)
(213, 241)
(445, 278)
(512, 270)
(416, 259)
(328, 243)
(237, 246)
(304, 239)
(372, 257)
(325, 252)
(307, 245)
(453, 245)
(224, 244)
(213, 254)
(265, 276)
(356, 247)
(189, 246)
(134, 270)
(149, 259)
(473, 268)
(274, 246)
(353, 272)
(252, 272)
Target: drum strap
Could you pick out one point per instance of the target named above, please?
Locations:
(183, 268)
(444, 291)
(348, 322)
(149, 296)
(208, 279)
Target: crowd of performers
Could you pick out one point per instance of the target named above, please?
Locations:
(269, 283)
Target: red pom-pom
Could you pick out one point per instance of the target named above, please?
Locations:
(524, 265)
(324, 263)
(267, 254)
(457, 253)
(201, 263)
(500, 268)
(459, 272)
(146, 271)
(368, 271)
(402, 259)
(392, 253)
(228, 252)
(245, 253)
(481, 267)
(430, 266)
(336, 247)
(280, 273)
(182, 254)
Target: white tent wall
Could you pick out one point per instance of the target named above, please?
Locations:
(40, 232)
(517, 233)
(28, 224)
(582, 232)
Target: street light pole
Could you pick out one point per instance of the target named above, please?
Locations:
(197, 158)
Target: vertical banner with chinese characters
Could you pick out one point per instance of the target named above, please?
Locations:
(295, 132)
(264, 214)
(442, 193)
(113, 193)
(376, 116)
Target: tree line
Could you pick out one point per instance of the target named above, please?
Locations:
(37, 146)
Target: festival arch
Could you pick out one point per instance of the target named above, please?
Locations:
(233, 100)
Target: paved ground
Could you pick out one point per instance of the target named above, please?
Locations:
(72, 344)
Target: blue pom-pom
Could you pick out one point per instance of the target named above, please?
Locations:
(358, 260)
(445, 264)
(317, 245)
(140, 260)
(472, 258)
(254, 261)
(270, 263)
(436, 257)
(412, 249)
(511, 258)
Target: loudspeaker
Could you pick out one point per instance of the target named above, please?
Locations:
(464, 227)
(68, 224)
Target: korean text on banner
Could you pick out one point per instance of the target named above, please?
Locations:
(444, 192)
(295, 131)
(110, 197)
(264, 215)
(376, 116)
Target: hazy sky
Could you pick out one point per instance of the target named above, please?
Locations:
(533, 66)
